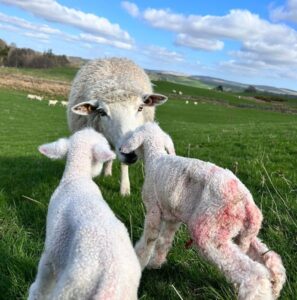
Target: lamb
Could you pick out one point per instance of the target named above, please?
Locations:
(114, 96)
(217, 208)
(88, 253)
(64, 103)
(52, 102)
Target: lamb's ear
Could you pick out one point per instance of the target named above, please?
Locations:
(56, 149)
(103, 153)
(85, 108)
(169, 146)
(132, 143)
(154, 99)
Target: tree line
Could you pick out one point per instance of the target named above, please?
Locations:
(11, 56)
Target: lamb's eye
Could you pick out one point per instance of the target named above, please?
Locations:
(140, 108)
(101, 112)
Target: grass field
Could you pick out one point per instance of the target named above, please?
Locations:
(261, 146)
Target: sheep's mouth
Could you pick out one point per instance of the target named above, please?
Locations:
(129, 158)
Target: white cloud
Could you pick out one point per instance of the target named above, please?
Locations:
(161, 53)
(44, 32)
(285, 12)
(52, 11)
(263, 45)
(197, 43)
(131, 8)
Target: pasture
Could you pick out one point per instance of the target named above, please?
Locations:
(259, 145)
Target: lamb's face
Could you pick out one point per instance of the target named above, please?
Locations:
(149, 139)
(116, 119)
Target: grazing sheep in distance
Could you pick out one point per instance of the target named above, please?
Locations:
(174, 91)
(114, 96)
(64, 103)
(88, 253)
(33, 97)
(195, 103)
(218, 209)
(52, 102)
(180, 92)
(187, 102)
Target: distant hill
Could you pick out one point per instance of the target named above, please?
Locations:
(212, 82)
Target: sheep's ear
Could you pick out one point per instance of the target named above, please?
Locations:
(85, 108)
(102, 153)
(154, 99)
(169, 146)
(56, 149)
(132, 143)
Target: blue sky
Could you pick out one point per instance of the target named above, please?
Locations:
(248, 41)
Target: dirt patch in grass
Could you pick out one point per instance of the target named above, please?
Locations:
(35, 85)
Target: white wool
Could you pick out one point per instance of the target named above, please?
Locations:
(218, 209)
(119, 85)
(88, 253)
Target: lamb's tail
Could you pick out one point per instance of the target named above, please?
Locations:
(258, 251)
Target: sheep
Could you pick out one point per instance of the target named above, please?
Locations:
(114, 96)
(195, 103)
(88, 253)
(64, 103)
(52, 102)
(187, 102)
(217, 208)
(180, 92)
(39, 98)
(174, 91)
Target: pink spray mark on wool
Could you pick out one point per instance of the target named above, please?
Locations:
(218, 228)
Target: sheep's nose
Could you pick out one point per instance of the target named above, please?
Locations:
(128, 158)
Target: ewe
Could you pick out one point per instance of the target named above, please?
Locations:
(114, 96)
(52, 102)
(218, 209)
(88, 253)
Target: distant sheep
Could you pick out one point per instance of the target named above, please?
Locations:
(64, 103)
(33, 97)
(52, 102)
(195, 103)
(180, 92)
(114, 96)
(88, 253)
(174, 91)
(218, 209)
(187, 102)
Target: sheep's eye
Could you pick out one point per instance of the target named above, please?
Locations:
(140, 108)
(101, 112)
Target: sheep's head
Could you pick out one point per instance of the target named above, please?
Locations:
(86, 144)
(148, 137)
(115, 118)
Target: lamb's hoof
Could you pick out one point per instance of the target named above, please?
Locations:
(107, 173)
(125, 192)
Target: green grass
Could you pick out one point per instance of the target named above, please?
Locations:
(58, 73)
(261, 145)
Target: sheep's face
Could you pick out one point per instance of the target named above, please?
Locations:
(116, 119)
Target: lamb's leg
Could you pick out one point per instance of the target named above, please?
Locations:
(258, 251)
(163, 244)
(213, 239)
(146, 245)
(108, 168)
(125, 182)
(43, 284)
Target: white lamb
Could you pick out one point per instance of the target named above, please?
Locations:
(52, 102)
(218, 209)
(88, 253)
